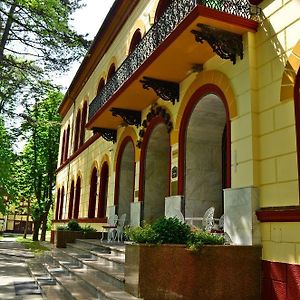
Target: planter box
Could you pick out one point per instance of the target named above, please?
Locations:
(160, 272)
(61, 237)
(92, 235)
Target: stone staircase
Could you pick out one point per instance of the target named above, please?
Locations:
(87, 269)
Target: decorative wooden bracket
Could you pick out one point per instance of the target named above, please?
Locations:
(166, 90)
(109, 135)
(131, 117)
(226, 44)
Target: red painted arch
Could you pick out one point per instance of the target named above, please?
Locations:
(153, 123)
(71, 201)
(77, 198)
(103, 190)
(297, 120)
(196, 97)
(124, 143)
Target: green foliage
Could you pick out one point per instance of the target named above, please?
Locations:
(74, 226)
(142, 235)
(171, 231)
(6, 167)
(62, 228)
(88, 228)
(199, 238)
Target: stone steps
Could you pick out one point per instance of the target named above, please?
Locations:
(86, 269)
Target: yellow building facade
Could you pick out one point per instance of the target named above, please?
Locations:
(184, 105)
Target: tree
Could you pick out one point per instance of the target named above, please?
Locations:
(6, 166)
(39, 157)
(35, 38)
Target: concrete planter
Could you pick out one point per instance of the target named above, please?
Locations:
(62, 237)
(173, 272)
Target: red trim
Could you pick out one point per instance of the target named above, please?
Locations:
(77, 130)
(62, 155)
(71, 201)
(90, 141)
(297, 120)
(61, 203)
(111, 71)
(103, 190)
(203, 11)
(153, 123)
(124, 143)
(196, 97)
(83, 122)
(77, 198)
(57, 204)
(93, 193)
(83, 220)
(100, 86)
(284, 214)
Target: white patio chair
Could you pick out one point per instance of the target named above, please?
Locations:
(111, 227)
(208, 219)
(120, 227)
(178, 214)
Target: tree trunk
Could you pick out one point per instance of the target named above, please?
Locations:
(37, 225)
(27, 219)
(44, 227)
(6, 30)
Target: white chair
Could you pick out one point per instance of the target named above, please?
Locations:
(111, 227)
(178, 214)
(208, 219)
(120, 227)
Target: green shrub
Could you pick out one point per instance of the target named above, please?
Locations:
(142, 235)
(74, 226)
(62, 228)
(199, 238)
(171, 231)
(88, 228)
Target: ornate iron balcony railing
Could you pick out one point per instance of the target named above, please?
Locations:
(173, 16)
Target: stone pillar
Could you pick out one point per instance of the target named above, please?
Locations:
(135, 213)
(240, 205)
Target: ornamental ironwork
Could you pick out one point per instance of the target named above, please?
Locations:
(171, 18)
(226, 44)
(130, 117)
(109, 135)
(166, 90)
(155, 111)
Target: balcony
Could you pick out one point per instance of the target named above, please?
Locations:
(168, 51)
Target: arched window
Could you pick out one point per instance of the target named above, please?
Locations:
(93, 193)
(77, 130)
(63, 145)
(297, 118)
(111, 71)
(67, 143)
(77, 199)
(161, 8)
(136, 38)
(70, 211)
(61, 206)
(103, 191)
(57, 204)
(100, 86)
(83, 122)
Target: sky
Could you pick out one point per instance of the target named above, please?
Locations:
(86, 20)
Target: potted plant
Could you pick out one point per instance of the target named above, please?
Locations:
(182, 264)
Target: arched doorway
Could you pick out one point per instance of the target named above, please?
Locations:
(125, 171)
(156, 172)
(93, 193)
(103, 191)
(206, 159)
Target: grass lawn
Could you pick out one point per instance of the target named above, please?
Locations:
(35, 247)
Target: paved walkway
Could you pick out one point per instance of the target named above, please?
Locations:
(15, 280)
